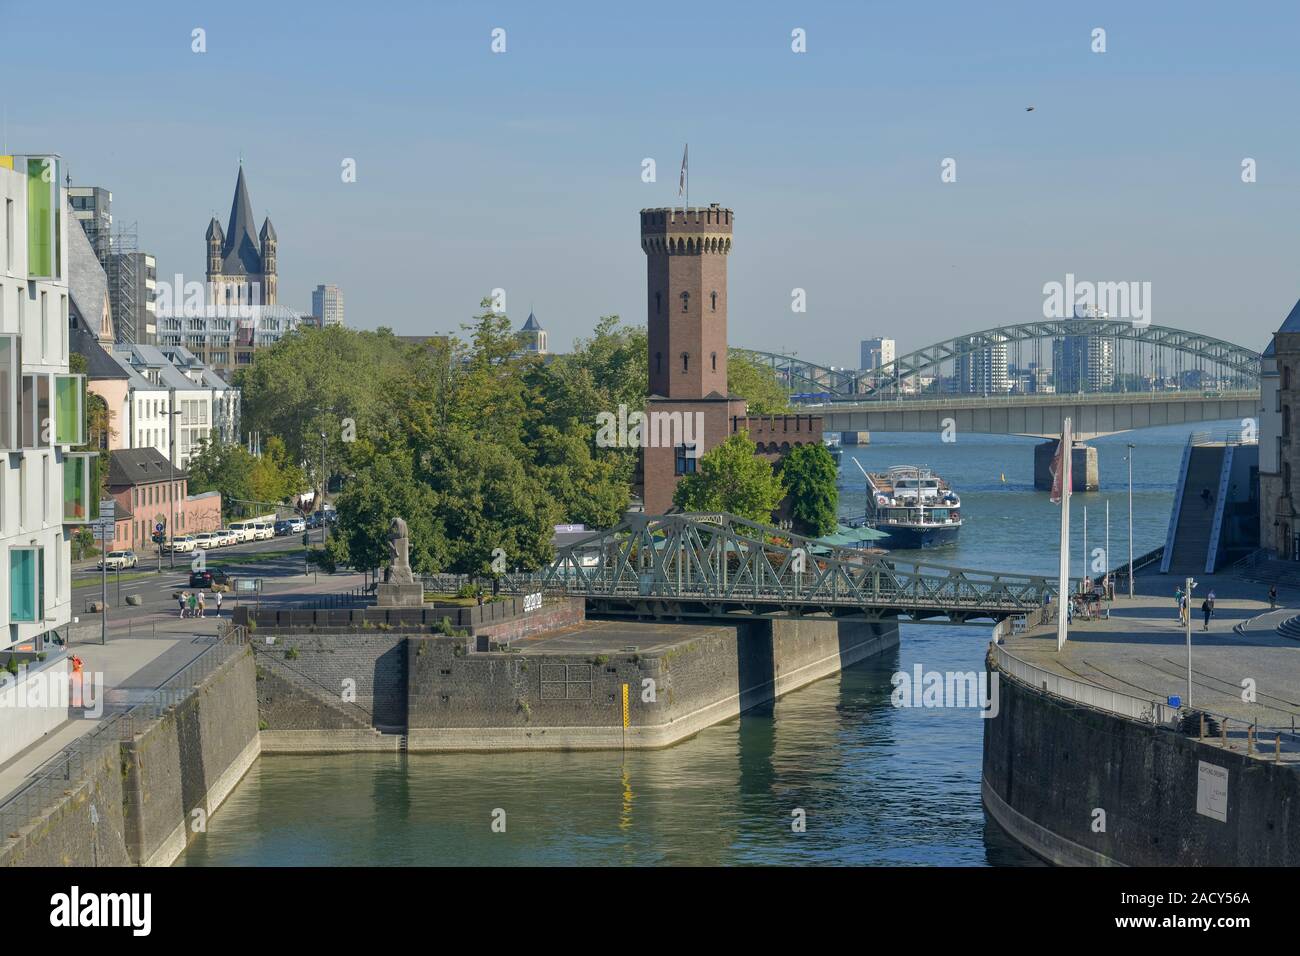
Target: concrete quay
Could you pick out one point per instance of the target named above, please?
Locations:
(1083, 778)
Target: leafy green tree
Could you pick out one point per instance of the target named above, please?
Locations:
(244, 478)
(732, 478)
(384, 487)
(809, 474)
(757, 384)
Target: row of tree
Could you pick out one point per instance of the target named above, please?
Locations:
(480, 447)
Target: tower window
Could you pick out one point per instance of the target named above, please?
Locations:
(685, 459)
(686, 301)
(686, 362)
(659, 361)
(714, 359)
(657, 303)
(714, 297)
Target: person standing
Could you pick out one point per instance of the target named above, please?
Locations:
(1178, 603)
(1210, 597)
(181, 601)
(1206, 609)
(216, 598)
(1272, 597)
(1184, 610)
(192, 603)
(202, 605)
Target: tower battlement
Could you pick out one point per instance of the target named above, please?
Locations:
(694, 231)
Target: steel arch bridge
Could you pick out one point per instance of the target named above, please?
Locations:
(710, 565)
(1239, 363)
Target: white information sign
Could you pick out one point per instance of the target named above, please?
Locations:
(1212, 791)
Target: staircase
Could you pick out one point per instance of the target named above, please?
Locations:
(1290, 628)
(1187, 547)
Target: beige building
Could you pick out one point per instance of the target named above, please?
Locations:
(1279, 451)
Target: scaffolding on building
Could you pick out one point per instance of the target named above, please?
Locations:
(124, 283)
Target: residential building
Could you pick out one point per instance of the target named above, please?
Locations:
(327, 305)
(1279, 448)
(983, 371)
(225, 340)
(44, 485)
(148, 491)
(163, 399)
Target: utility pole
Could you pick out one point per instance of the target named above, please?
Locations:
(1188, 594)
(324, 485)
(1131, 446)
(103, 584)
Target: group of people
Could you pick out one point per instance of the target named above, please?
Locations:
(1184, 607)
(193, 603)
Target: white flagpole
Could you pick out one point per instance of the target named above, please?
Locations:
(1067, 483)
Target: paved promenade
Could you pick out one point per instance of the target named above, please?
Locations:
(1141, 650)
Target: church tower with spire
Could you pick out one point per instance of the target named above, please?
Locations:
(241, 263)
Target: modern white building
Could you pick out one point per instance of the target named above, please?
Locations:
(327, 305)
(44, 485)
(223, 338)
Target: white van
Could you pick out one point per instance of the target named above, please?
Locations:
(263, 531)
(243, 530)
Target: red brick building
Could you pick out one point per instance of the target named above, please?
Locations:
(147, 490)
(686, 321)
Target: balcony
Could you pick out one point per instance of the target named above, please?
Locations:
(80, 502)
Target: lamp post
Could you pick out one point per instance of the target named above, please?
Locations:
(1129, 459)
(1187, 594)
(324, 486)
(171, 492)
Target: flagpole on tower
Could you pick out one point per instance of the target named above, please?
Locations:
(1062, 485)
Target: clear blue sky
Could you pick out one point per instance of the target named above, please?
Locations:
(522, 170)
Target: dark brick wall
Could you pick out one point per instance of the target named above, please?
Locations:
(1055, 763)
(376, 662)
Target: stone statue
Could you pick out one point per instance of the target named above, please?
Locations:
(399, 555)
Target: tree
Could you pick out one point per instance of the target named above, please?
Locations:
(732, 478)
(809, 475)
(383, 488)
(757, 384)
(243, 478)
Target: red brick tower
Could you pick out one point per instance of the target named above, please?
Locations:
(686, 319)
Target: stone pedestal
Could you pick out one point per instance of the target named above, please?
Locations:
(400, 595)
(855, 438)
(1083, 466)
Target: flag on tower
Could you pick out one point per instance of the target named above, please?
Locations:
(681, 180)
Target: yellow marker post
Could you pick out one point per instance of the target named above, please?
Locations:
(625, 716)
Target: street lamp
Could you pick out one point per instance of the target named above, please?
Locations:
(324, 486)
(1187, 595)
(1129, 459)
(171, 491)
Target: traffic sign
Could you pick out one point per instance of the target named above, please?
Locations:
(159, 526)
(108, 509)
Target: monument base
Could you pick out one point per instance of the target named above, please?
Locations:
(399, 595)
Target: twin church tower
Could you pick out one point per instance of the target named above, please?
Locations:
(686, 320)
(241, 263)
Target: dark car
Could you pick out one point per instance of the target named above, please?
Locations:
(209, 577)
(313, 520)
(283, 527)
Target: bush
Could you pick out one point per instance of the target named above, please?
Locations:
(12, 665)
(291, 654)
(468, 591)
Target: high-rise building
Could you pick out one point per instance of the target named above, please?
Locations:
(241, 263)
(877, 352)
(45, 487)
(327, 305)
(983, 371)
(130, 273)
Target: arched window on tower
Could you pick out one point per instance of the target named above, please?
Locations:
(686, 362)
(686, 301)
(1286, 421)
(713, 296)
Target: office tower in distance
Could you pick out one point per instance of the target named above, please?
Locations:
(327, 305)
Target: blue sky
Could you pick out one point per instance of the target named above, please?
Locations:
(522, 170)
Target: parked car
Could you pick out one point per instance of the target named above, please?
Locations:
(117, 560)
(226, 538)
(242, 530)
(283, 527)
(206, 540)
(208, 577)
(265, 531)
(298, 526)
(313, 520)
(183, 544)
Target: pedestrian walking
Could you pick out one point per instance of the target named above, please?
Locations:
(192, 604)
(1184, 610)
(1210, 597)
(216, 597)
(1272, 597)
(181, 602)
(202, 604)
(1178, 602)
(1206, 609)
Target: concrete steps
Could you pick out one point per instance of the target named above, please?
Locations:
(1290, 628)
(1195, 519)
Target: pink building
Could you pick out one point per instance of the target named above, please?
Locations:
(148, 492)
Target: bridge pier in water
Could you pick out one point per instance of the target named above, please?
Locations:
(1083, 470)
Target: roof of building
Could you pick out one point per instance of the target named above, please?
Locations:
(173, 367)
(1290, 324)
(139, 466)
(532, 325)
(241, 255)
(100, 366)
(88, 285)
(268, 230)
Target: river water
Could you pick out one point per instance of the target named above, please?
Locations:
(877, 785)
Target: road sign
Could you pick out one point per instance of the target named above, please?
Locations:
(159, 526)
(102, 526)
(248, 585)
(108, 509)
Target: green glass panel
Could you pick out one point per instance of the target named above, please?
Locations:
(68, 404)
(76, 489)
(22, 584)
(42, 213)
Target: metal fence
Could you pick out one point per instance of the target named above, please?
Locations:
(65, 771)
